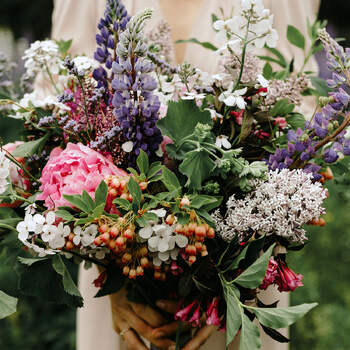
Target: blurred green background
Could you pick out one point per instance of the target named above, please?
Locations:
(324, 261)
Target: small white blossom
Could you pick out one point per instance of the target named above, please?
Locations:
(4, 172)
(222, 142)
(84, 64)
(233, 98)
(127, 146)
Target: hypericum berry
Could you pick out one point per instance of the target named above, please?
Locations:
(321, 222)
(192, 259)
(170, 220)
(163, 276)
(139, 271)
(211, 233)
(143, 251)
(132, 274)
(179, 229)
(126, 270)
(200, 231)
(112, 244)
(328, 174)
(113, 192)
(114, 231)
(186, 231)
(69, 245)
(98, 241)
(204, 253)
(191, 250)
(126, 258)
(129, 234)
(123, 183)
(184, 201)
(103, 228)
(157, 275)
(105, 237)
(120, 241)
(124, 196)
(143, 185)
(199, 246)
(71, 236)
(130, 198)
(144, 262)
(192, 227)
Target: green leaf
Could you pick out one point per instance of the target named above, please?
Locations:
(122, 203)
(98, 211)
(142, 162)
(181, 119)
(114, 282)
(205, 44)
(78, 202)
(233, 315)
(68, 283)
(197, 166)
(150, 217)
(170, 181)
(30, 261)
(64, 45)
(135, 191)
(282, 61)
(296, 121)
(64, 214)
(50, 288)
(267, 71)
(255, 273)
(250, 335)
(8, 305)
(281, 317)
(200, 201)
(154, 169)
(101, 193)
(295, 37)
(320, 86)
(88, 201)
(27, 149)
(282, 107)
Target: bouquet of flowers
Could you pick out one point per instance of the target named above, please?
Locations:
(178, 184)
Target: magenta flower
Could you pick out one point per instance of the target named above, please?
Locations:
(184, 314)
(213, 313)
(195, 319)
(175, 269)
(271, 274)
(287, 280)
(71, 171)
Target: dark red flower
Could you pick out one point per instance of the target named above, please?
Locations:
(287, 280)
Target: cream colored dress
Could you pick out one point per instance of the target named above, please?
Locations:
(77, 20)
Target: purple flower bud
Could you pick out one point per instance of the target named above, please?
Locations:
(110, 42)
(330, 156)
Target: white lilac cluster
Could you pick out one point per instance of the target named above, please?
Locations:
(162, 241)
(4, 172)
(52, 232)
(281, 205)
(42, 56)
(252, 28)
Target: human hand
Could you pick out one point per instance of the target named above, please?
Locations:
(198, 339)
(133, 320)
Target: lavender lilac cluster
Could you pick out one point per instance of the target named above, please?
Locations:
(110, 26)
(136, 106)
(324, 128)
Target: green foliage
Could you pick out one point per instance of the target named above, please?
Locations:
(27, 149)
(295, 37)
(282, 108)
(8, 305)
(205, 44)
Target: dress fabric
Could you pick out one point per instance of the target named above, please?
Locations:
(77, 20)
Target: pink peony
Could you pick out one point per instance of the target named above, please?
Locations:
(73, 170)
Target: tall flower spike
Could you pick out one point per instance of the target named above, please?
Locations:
(136, 107)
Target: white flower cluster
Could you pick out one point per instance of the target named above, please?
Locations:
(4, 172)
(281, 205)
(42, 56)
(84, 64)
(253, 26)
(162, 241)
(52, 233)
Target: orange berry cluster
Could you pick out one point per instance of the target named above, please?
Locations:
(318, 222)
(326, 175)
(196, 234)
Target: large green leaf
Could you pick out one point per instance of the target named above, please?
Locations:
(295, 37)
(101, 193)
(170, 181)
(234, 314)
(41, 280)
(68, 283)
(8, 305)
(142, 162)
(281, 317)
(78, 202)
(255, 273)
(181, 119)
(250, 335)
(197, 166)
(27, 149)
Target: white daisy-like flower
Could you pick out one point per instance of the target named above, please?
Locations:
(127, 146)
(84, 64)
(222, 142)
(89, 235)
(4, 172)
(233, 98)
